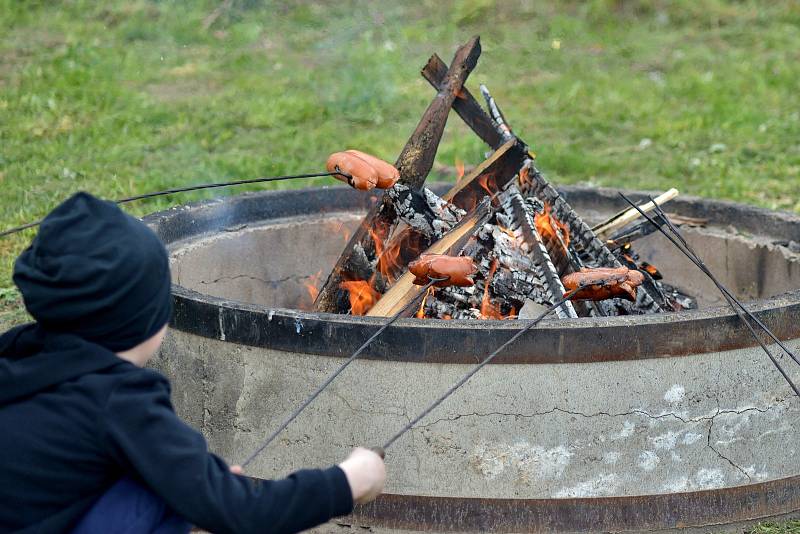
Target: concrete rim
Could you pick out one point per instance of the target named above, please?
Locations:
(573, 341)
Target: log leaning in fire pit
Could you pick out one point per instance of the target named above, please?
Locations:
(414, 164)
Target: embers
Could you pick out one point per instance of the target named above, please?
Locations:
(522, 241)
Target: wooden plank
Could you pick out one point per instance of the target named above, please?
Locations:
(404, 289)
(625, 217)
(498, 170)
(414, 163)
(416, 159)
(465, 105)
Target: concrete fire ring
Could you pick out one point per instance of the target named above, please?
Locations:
(673, 421)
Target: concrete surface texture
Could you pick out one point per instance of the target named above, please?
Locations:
(555, 430)
(522, 431)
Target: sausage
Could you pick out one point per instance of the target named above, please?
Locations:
(604, 283)
(363, 176)
(457, 270)
(387, 173)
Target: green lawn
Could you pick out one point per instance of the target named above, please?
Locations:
(127, 96)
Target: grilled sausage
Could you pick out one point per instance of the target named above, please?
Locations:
(387, 174)
(457, 270)
(604, 283)
(363, 176)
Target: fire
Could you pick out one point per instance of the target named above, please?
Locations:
(488, 183)
(388, 258)
(362, 296)
(312, 286)
(488, 309)
(508, 232)
(459, 170)
(421, 311)
(549, 226)
(524, 179)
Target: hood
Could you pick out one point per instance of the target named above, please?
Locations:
(32, 360)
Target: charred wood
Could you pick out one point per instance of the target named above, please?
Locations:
(414, 163)
(465, 105)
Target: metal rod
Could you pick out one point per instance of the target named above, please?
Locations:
(184, 190)
(337, 372)
(733, 302)
(722, 288)
(568, 295)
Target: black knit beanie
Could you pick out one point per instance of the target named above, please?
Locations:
(96, 272)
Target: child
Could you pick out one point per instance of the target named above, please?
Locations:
(89, 441)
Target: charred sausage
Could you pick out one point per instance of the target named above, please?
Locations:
(457, 270)
(604, 283)
(360, 174)
(387, 174)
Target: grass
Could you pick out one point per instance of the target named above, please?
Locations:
(129, 96)
(124, 97)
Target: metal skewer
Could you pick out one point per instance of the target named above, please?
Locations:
(568, 295)
(188, 188)
(338, 371)
(742, 312)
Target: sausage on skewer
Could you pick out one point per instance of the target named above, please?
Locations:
(604, 283)
(458, 270)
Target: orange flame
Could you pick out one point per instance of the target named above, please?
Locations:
(488, 182)
(312, 286)
(459, 170)
(388, 258)
(549, 226)
(488, 309)
(508, 232)
(362, 296)
(421, 311)
(524, 179)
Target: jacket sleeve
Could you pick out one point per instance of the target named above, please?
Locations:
(145, 436)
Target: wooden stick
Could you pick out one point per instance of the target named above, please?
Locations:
(465, 105)
(414, 164)
(625, 217)
(500, 167)
(404, 289)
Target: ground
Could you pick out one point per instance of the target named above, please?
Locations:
(130, 96)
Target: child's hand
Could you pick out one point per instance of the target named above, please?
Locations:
(237, 469)
(366, 474)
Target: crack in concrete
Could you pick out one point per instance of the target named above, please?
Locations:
(709, 418)
(273, 283)
(710, 446)
(606, 414)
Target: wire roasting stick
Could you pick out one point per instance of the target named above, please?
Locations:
(338, 371)
(568, 295)
(186, 189)
(736, 305)
(674, 229)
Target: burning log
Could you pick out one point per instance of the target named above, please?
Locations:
(523, 211)
(520, 241)
(425, 212)
(585, 241)
(414, 164)
(404, 289)
(465, 105)
(497, 116)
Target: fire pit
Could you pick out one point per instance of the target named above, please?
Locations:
(610, 415)
(601, 423)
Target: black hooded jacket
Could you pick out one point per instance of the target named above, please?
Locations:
(74, 418)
